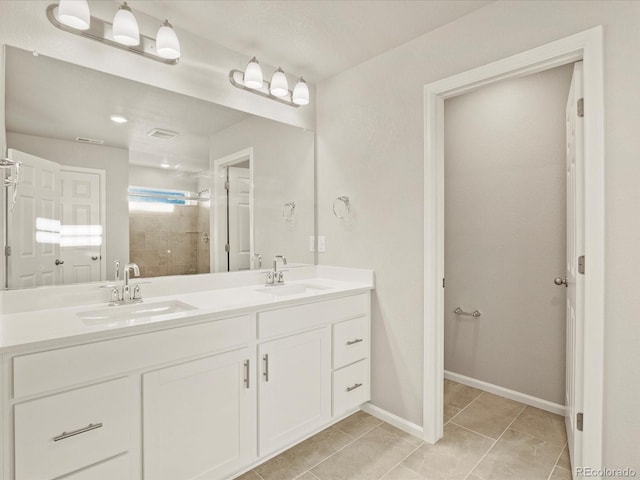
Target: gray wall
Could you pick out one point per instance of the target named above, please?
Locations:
(283, 163)
(505, 235)
(370, 137)
(114, 160)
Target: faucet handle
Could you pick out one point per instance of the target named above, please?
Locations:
(116, 268)
(137, 294)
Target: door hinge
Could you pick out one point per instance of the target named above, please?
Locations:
(7, 251)
(226, 185)
(581, 264)
(580, 107)
(579, 421)
(227, 248)
(443, 283)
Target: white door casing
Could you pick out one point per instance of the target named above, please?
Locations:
(33, 228)
(585, 46)
(574, 280)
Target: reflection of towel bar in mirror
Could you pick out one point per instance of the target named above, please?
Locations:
(347, 207)
(474, 314)
(288, 211)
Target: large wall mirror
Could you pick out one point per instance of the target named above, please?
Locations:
(112, 169)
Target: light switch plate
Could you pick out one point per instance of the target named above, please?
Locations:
(312, 243)
(321, 245)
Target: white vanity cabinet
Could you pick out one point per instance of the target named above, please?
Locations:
(198, 418)
(201, 400)
(294, 387)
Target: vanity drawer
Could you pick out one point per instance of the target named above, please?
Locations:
(66, 367)
(350, 341)
(68, 431)
(351, 387)
(118, 468)
(310, 315)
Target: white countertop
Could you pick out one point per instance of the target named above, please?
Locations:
(42, 327)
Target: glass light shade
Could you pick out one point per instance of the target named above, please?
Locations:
(301, 93)
(167, 44)
(125, 27)
(279, 84)
(75, 14)
(253, 74)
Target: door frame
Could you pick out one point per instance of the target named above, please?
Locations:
(102, 176)
(585, 46)
(228, 161)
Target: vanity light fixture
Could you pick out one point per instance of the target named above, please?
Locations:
(73, 16)
(252, 81)
(118, 119)
(125, 27)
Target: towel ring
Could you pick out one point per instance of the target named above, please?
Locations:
(344, 199)
(288, 211)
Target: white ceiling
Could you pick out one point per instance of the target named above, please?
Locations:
(314, 38)
(55, 99)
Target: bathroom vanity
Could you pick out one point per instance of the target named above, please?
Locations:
(199, 384)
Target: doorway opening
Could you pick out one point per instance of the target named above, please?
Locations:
(585, 46)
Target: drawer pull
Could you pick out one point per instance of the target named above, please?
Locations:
(353, 342)
(63, 435)
(357, 385)
(246, 373)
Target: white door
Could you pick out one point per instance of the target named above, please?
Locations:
(239, 219)
(82, 228)
(294, 393)
(574, 279)
(199, 418)
(33, 228)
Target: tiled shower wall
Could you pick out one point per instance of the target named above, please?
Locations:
(169, 243)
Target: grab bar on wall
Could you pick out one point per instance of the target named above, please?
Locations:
(474, 314)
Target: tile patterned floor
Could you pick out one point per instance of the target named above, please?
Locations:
(486, 437)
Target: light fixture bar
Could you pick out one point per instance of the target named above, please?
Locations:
(102, 31)
(236, 79)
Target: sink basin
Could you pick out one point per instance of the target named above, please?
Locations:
(294, 289)
(129, 313)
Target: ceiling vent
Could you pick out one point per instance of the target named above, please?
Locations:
(92, 141)
(163, 134)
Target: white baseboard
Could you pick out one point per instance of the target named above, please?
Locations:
(505, 392)
(391, 419)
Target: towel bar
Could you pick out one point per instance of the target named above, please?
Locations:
(474, 314)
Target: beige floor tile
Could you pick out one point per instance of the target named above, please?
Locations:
(489, 415)
(519, 457)
(307, 476)
(368, 458)
(299, 459)
(452, 457)
(250, 475)
(564, 461)
(560, 473)
(543, 425)
(449, 412)
(402, 473)
(458, 395)
(415, 441)
(358, 424)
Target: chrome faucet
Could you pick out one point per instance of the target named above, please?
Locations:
(276, 277)
(124, 295)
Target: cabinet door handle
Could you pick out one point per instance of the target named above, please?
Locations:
(63, 435)
(266, 367)
(353, 342)
(357, 385)
(246, 373)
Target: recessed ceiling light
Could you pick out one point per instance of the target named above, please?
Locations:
(165, 165)
(118, 119)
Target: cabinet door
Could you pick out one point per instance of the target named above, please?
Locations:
(199, 418)
(294, 387)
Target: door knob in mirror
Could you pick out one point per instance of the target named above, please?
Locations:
(560, 281)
